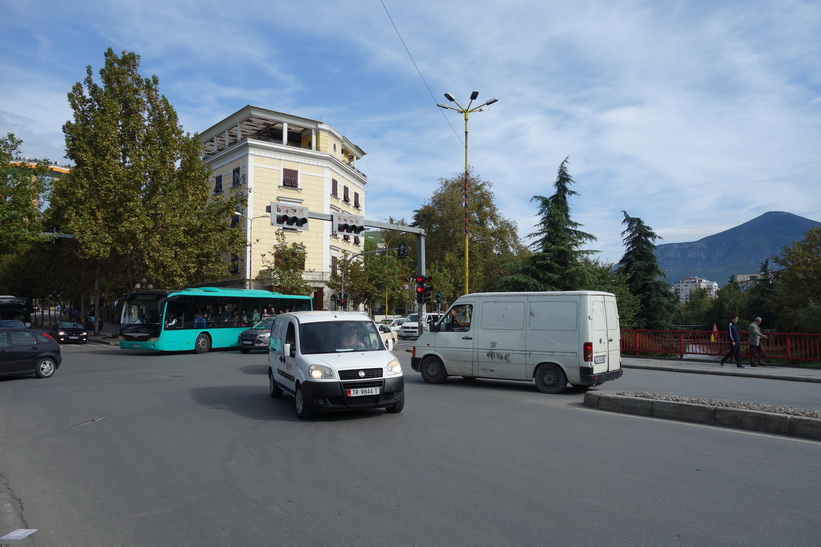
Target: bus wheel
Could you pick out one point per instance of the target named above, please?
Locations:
(203, 343)
(550, 378)
(433, 370)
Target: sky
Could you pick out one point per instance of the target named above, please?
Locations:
(695, 116)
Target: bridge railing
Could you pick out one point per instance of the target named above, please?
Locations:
(789, 348)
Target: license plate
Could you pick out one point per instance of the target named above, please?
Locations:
(600, 359)
(74, 337)
(247, 342)
(361, 391)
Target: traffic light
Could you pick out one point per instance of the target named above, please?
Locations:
(422, 288)
(402, 250)
(293, 217)
(346, 223)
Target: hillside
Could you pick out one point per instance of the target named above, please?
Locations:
(739, 250)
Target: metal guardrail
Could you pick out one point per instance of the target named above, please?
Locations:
(791, 348)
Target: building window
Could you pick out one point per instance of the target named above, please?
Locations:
(346, 238)
(334, 188)
(234, 268)
(356, 200)
(356, 240)
(218, 185)
(346, 196)
(236, 179)
(290, 178)
(334, 266)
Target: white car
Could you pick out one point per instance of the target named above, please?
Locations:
(388, 336)
(333, 361)
(410, 329)
(395, 324)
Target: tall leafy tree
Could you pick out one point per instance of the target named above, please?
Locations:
(798, 286)
(23, 185)
(138, 194)
(493, 239)
(658, 304)
(557, 262)
(283, 267)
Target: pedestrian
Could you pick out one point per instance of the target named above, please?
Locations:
(735, 344)
(756, 347)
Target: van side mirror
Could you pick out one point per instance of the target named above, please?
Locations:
(289, 350)
(433, 326)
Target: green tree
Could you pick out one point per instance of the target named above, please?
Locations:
(23, 186)
(729, 303)
(557, 262)
(493, 239)
(604, 277)
(640, 266)
(797, 299)
(284, 266)
(138, 195)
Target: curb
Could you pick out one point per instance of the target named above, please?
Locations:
(723, 372)
(737, 418)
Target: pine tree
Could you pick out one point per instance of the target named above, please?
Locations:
(657, 302)
(557, 262)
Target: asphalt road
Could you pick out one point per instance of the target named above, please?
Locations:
(123, 448)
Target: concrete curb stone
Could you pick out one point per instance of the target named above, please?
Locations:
(750, 420)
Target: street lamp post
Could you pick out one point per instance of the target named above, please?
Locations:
(466, 111)
(250, 257)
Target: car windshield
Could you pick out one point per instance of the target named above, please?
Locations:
(265, 324)
(69, 325)
(413, 318)
(12, 324)
(339, 337)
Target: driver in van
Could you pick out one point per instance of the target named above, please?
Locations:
(351, 338)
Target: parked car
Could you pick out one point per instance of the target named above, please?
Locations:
(333, 361)
(256, 337)
(69, 331)
(388, 336)
(27, 351)
(11, 324)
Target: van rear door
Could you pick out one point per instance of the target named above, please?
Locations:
(613, 333)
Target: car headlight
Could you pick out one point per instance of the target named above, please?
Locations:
(394, 368)
(61, 333)
(85, 333)
(320, 372)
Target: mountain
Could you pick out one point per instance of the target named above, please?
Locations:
(739, 250)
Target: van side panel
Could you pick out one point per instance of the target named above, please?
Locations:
(553, 333)
(501, 341)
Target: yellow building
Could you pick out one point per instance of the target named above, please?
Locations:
(272, 157)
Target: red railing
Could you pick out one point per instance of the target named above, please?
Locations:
(791, 348)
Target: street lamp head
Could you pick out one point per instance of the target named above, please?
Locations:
(440, 105)
(491, 101)
(449, 97)
(474, 95)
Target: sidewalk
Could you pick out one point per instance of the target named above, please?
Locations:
(702, 366)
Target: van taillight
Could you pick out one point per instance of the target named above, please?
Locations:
(588, 351)
(413, 352)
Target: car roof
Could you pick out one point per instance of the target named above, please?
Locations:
(325, 316)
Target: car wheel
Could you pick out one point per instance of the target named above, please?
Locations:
(45, 367)
(203, 343)
(397, 408)
(550, 378)
(273, 388)
(245, 350)
(433, 370)
(302, 411)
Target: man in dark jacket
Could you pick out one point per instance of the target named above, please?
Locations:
(735, 344)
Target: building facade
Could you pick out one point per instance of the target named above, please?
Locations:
(270, 158)
(685, 286)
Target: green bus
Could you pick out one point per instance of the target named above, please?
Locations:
(198, 319)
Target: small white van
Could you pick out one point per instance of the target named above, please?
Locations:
(551, 338)
(333, 361)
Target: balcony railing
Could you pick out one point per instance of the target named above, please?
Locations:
(789, 348)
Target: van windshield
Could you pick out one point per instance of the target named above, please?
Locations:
(339, 337)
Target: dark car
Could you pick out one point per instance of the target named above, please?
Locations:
(11, 324)
(256, 337)
(27, 351)
(69, 331)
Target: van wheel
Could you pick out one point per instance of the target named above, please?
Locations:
(433, 371)
(302, 412)
(397, 408)
(550, 378)
(273, 388)
(203, 343)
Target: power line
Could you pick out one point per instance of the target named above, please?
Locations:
(419, 71)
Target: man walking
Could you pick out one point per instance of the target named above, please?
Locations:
(735, 344)
(756, 348)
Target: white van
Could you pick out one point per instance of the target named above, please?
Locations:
(333, 361)
(551, 338)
